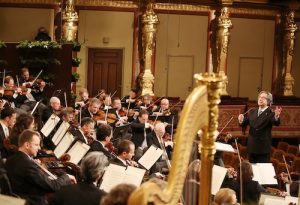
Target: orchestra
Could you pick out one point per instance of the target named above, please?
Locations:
(143, 122)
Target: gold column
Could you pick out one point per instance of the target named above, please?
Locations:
(288, 52)
(222, 41)
(70, 22)
(149, 21)
(215, 84)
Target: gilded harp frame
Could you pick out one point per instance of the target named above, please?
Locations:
(200, 112)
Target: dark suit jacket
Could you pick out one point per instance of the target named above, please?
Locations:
(138, 133)
(78, 194)
(3, 151)
(97, 146)
(117, 162)
(260, 137)
(29, 181)
(78, 135)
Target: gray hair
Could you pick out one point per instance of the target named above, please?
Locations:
(54, 99)
(92, 166)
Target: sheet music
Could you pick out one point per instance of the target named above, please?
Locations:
(11, 200)
(224, 147)
(63, 128)
(77, 152)
(218, 176)
(64, 144)
(270, 201)
(289, 199)
(116, 174)
(150, 157)
(264, 173)
(50, 124)
(267, 198)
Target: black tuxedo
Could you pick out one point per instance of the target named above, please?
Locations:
(78, 194)
(260, 136)
(138, 133)
(29, 181)
(86, 113)
(78, 135)
(3, 151)
(117, 161)
(97, 146)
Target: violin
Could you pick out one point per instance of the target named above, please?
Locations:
(113, 150)
(100, 115)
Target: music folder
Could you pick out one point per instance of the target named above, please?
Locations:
(224, 147)
(150, 157)
(78, 151)
(264, 173)
(116, 174)
(218, 175)
(50, 125)
(120, 130)
(63, 128)
(64, 144)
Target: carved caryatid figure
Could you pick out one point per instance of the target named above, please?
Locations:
(70, 22)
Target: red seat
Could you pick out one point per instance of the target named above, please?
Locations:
(282, 145)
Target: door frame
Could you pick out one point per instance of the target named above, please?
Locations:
(168, 68)
(104, 48)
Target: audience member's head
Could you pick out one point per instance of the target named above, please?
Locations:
(23, 122)
(194, 169)
(247, 171)
(118, 195)
(92, 166)
(55, 103)
(225, 196)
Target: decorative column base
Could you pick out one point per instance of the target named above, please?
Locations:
(288, 85)
(146, 82)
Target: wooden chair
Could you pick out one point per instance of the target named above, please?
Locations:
(277, 154)
(282, 145)
(293, 149)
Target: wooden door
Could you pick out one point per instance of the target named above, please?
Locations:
(105, 70)
(180, 76)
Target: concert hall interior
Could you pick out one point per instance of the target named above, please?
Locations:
(153, 101)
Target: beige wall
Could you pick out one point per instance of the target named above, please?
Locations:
(296, 64)
(190, 33)
(19, 24)
(250, 51)
(118, 27)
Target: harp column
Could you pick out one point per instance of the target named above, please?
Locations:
(222, 39)
(149, 21)
(290, 28)
(70, 22)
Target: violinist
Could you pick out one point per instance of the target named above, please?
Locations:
(106, 103)
(125, 154)
(119, 112)
(129, 101)
(12, 94)
(93, 111)
(147, 104)
(102, 142)
(54, 108)
(163, 109)
(34, 94)
(140, 130)
(84, 99)
(84, 134)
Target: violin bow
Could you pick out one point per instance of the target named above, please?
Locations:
(18, 81)
(113, 93)
(99, 94)
(65, 96)
(38, 75)
(35, 107)
(128, 108)
(241, 176)
(288, 172)
(174, 105)
(172, 128)
(156, 101)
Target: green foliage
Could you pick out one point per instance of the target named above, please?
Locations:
(76, 46)
(39, 44)
(76, 61)
(75, 77)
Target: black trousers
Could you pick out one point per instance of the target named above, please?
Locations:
(259, 158)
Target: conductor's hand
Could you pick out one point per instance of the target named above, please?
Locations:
(72, 179)
(241, 118)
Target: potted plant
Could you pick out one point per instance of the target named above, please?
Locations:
(76, 61)
(75, 77)
(76, 46)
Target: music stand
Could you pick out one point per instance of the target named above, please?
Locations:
(120, 131)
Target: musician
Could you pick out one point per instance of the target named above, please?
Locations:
(23, 122)
(125, 153)
(129, 100)
(106, 103)
(140, 130)
(93, 111)
(84, 98)
(119, 111)
(85, 132)
(85, 192)
(7, 121)
(261, 121)
(55, 108)
(163, 109)
(103, 137)
(35, 92)
(26, 177)
(12, 94)
(147, 104)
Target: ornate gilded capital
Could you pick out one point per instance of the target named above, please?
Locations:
(149, 21)
(70, 22)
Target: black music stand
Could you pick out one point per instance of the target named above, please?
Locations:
(120, 132)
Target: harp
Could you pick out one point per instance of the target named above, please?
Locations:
(200, 112)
